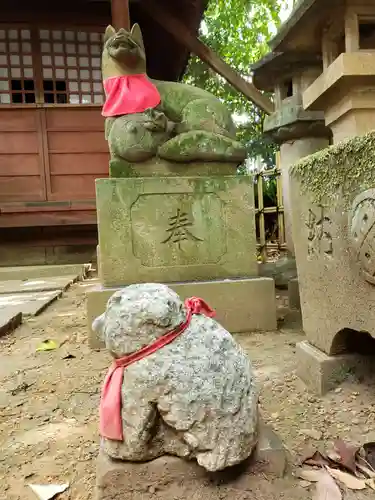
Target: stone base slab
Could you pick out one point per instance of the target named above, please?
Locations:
(320, 372)
(173, 477)
(242, 305)
(9, 320)
(30, 304)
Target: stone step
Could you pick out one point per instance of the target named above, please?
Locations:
(41, 284)
(9, 320)
(35, 272)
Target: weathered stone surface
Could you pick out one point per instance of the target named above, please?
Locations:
(291, 121)
(194, 398)
(173, 477)
(362, 233)
(158, 167)
(242, 306)
(282, 271)
(270, 451)
(336, 300)
(320, 372)
(334, 295)
(9, 320)
(293, 294)
(176, 229)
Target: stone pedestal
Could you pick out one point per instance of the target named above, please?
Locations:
(175, 229)
(196, 234)
(336, 295)
(173, 477)
(320, 372)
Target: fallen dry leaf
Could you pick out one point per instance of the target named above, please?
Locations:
(48, 491)
(370, 483)
(334, 456)
(347, 453)
(312, 475)
(327, 489)
(365, 470)
(351, 482)
(304, 484)
(315, 458)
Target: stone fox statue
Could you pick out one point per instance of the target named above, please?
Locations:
(147, 118)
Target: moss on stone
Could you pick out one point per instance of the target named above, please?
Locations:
(339, 171)
(120, 168)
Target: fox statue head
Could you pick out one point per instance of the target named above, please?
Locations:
(123, 52)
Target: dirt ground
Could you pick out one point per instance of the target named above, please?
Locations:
(49, 405)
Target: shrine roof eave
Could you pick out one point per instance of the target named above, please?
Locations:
(278, 66)
(302, 30)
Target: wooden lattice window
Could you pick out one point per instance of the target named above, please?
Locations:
(17, 84)
(71, 66)
(50, 66)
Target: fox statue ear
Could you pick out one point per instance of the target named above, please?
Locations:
(136, 34)
(109, 32)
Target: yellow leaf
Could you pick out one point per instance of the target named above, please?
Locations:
(47, 345)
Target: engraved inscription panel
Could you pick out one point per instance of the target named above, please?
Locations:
(178, 229)
(319, 237)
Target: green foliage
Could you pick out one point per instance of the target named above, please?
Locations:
(238, 30)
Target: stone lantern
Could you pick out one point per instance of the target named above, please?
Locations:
(298, 132)
(343, 32)
(332, 190)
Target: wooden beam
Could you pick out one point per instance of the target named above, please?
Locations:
(182, 34)
(120, 14)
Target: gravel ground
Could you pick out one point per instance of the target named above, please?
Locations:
(49, 405)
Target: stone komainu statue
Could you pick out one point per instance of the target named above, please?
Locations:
(194, 397)
(147, 118)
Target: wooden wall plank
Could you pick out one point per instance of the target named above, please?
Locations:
(78, 186)
(26, 188)
(71, 142)
(75, 159)
(84, 163)
(19, 164)
(74, 119)
(31, 219)
(18, 143)
(18, 120)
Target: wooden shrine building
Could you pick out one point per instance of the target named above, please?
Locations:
(52, 144)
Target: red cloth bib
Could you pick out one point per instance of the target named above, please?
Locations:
(110, 402)
(129, 94)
